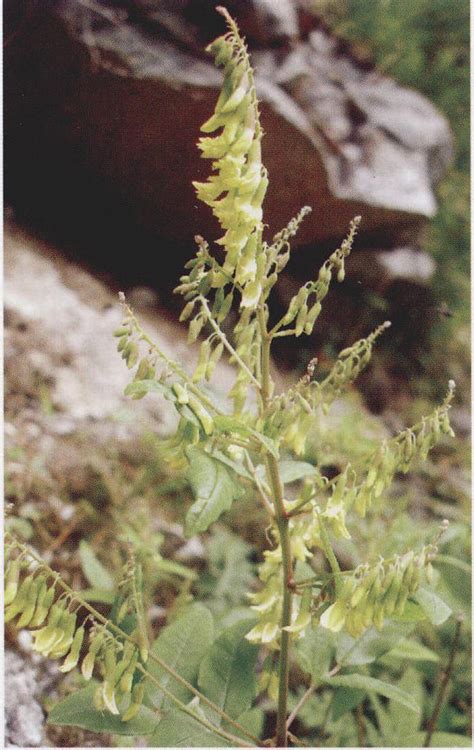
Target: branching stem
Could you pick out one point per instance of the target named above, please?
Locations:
(282, 521)
(221, 335)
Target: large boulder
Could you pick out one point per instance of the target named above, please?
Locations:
(104, 101)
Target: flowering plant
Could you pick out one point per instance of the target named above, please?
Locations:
(259, 444)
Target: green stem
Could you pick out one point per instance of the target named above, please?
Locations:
(282, 521)
(114, 628)
(331, 557)
(445, 677)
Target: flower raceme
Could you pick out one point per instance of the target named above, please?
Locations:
(32, 601)
(237, 189)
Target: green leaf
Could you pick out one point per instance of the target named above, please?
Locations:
(413, 651)
(435, 609)
(181, 645)
(94, 571)
(253, 720)
(78, 710)
(406, 722)
(344, 700)
(371, 645)
(315, 651)
(104, 596)
(227, 672)
(363, 682)
(454, 563)
(214, 488)
(230, 574)
(290, 471)
(439, 739)
(179, 729)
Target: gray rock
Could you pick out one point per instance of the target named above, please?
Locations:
(23, 713)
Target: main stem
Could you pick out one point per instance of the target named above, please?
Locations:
(282, 521)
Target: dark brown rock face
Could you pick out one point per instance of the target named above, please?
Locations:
(104, 101)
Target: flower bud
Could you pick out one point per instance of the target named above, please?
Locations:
(72, 658)
(11, 581)
(33, 595)
(95, 645)
(43, 606)
(334, 617)
(137, 699)
(21, 599)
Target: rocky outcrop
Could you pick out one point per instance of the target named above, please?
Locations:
(103, 106)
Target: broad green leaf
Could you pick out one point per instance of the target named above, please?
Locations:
(413, 651)
(214, 487)
(363, 682)
(454, 563)
(179, 729)
(290, 471)
(94, 571)
(435, 609)
(344, 700)
(228, 579)
(227, 672)
(181, 645)
(78, 710)
(253, 720)
(439, 739)
(315, 651)
(371, 645)
(406, 722)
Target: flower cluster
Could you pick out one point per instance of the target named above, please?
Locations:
(31, 597)
(292, 413)
(344, 493)
(236, 192)
(305, 306)
(372, 593)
